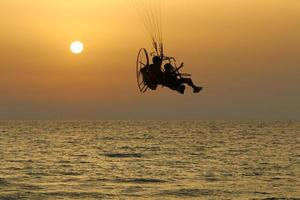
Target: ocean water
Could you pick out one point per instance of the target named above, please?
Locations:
(149, 160)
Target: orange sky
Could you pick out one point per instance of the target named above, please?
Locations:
(244, 53)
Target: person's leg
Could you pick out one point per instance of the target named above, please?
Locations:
(181, 89)
(187, 81)
(190, 83)
(174, 84)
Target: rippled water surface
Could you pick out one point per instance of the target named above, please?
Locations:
(150, 160)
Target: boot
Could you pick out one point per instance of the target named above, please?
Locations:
(197, 89)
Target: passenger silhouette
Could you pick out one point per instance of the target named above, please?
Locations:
(173, 80)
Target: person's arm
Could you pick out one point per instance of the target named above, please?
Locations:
(178, 68)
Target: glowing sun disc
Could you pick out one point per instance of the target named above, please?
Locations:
(76, 47)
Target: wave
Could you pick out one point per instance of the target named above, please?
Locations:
(140, 180)
(3, 182)
(124, 155)
(189, 192)
(55, 195)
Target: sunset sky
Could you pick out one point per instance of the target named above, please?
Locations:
(246, 55)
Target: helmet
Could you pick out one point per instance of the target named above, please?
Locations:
(156, 60)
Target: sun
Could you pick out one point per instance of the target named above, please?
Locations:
(76, 47)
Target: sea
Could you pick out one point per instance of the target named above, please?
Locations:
(51, 160)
